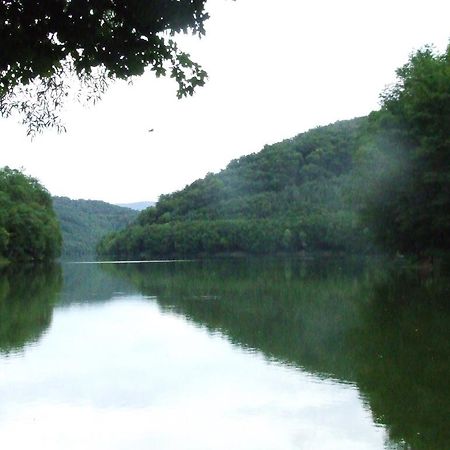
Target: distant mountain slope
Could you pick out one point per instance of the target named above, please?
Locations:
(138, 206)
(85, 222)
(298, 194)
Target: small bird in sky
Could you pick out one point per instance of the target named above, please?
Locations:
(151, 130)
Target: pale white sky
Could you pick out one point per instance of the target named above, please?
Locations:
(276, 68)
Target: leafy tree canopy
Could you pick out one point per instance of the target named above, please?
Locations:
(29, 229)
(409, 201)
(46, 45)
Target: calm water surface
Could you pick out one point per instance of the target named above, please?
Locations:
(233, 354)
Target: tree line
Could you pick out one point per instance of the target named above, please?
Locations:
(376, 183)
(380, 182)
(291, 196)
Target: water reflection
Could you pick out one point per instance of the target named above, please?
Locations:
(403, 359)
(85, 283)
(27, 298)
(368, 324)
(383, 328)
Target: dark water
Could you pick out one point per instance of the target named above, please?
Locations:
(233, 354)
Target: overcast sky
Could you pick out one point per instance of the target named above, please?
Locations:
(276, 68)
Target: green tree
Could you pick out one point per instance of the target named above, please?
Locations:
(46, 45)
(29, 229)
(409, 201)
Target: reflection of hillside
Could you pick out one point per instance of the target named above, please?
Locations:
(403, 362)
(88, 283)
(27, 297)
(276, 308)
(387, 333)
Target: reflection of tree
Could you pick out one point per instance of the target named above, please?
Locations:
(27, 297)
(386, 332)
(403, 364)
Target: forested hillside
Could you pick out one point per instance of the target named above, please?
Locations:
(29, 230)
(291, 196)
(85, 222)
(350, 186)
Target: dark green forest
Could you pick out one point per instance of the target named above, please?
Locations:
(376, 183)
(289, 196)
(85, 222)
(409, 202)
(29, 229)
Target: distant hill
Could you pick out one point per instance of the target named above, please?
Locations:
(85, 222)
(138, 206)
(299, 194)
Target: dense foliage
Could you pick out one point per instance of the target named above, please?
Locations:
(43, 43)
(392, 170)
(29, 229)
(408, 205)
(85, 222)
(291, 196)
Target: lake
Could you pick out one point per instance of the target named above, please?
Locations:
(241, 354)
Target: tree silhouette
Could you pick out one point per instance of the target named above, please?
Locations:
(52, 48)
